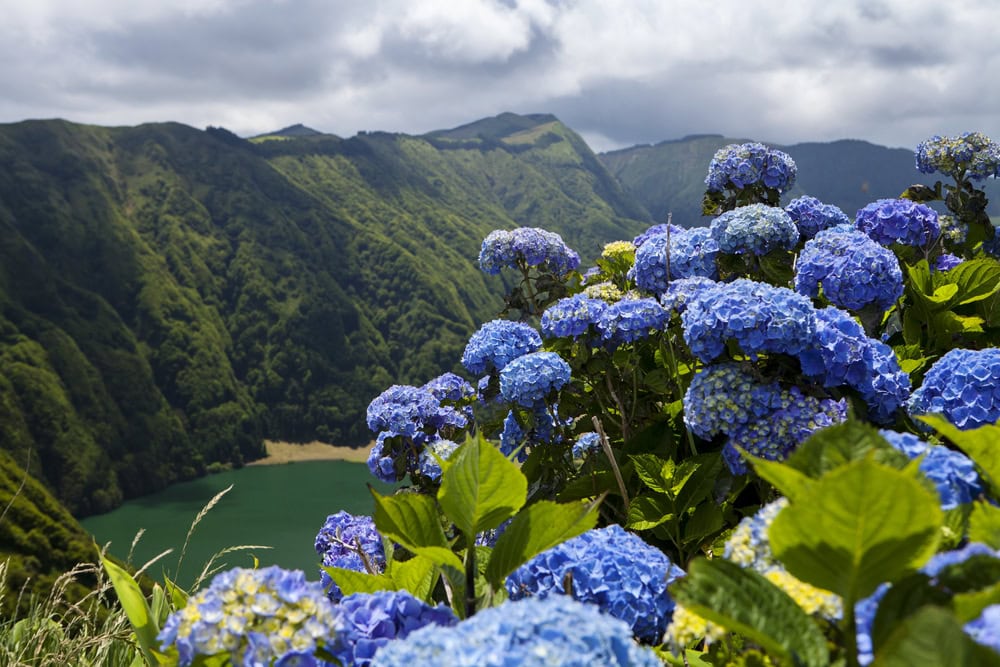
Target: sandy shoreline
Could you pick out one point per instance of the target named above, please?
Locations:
(290, 452)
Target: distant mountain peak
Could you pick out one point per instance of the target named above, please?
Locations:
(496, 127)
(297, 130)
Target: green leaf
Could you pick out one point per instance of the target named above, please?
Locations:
(904, 598)
(481, 489)
(694, 480)
(540, 526)
(655, 472)
(977, 279)
(984, 524)
(841, 444)
(743, 601)
(352, 581)
(980, 444)
(648, 511)
(969, 606)
(178, 598)
(136, 610)
(706, 520)
(790, 481)
(933, 636)
(857, 526)
(412, 520)
(416, 575)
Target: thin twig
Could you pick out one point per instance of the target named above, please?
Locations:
(611, 457)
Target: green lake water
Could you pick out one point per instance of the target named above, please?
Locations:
(282, 506)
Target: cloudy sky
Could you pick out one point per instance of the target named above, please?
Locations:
(620, 72)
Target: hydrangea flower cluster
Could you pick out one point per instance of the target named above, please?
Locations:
(256, 616)
(586, 443)
(630, 320)
(604, 291)
(756, 229)
(542, 429)
(902, 221)
(687, 627)
(726, 396)
(529, 246)
(611, 568)
(841, 354)
(428, 465)
(740, 166)
(757, 316)
(945, 262)
(972, 154)
(450, 387)
(366, 622)
(963, 386)
(750, 547)
(656, 230)
(692, 252)
(572, 317)
(557, 631)
(777, 435)
(985, 628)
(351, 542)
(953, 473)
(529, 380)
(853, 270)
(812, 216)
(682, 290)
(497, 343)
(413, 414)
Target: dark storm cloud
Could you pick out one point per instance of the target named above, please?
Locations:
(890, 71)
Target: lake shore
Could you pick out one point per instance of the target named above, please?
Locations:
(290, 452)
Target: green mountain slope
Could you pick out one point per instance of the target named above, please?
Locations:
(669, 177)
(169, 296)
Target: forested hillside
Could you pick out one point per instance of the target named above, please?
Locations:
(170, 296)
(669, 177)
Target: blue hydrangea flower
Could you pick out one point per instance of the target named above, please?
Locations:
(740, 166)
(402, 410)
(450, 387)
(657, 230)
(682, 290)
(586, 443)
(945, 262)
(366, 622)
(380, 464)
(812, 216)
(953, 473)
(757, 316)
(963, 386)
(985, 628)
(778, 434)
(756, 229)
(611, 568)
(888, 387)
(629, 320)
(692, 252)
(254, 616)
(529, 380)
(552, 632)
(512, 436)
(973, 155)
(572, 317)
(351, 542)
(530, 246)
(853, 270)
(991, 246)
(903, 221)
(723, 397)
(497, 343)
(488, 538)
(428, 465)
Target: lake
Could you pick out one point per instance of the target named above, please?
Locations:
(282, 506)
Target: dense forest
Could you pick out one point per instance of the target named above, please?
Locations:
(169, 297)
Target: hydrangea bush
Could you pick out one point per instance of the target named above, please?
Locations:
(714, 392)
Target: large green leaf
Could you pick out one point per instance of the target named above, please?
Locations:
(136, 609)
(837, 445)
(540, 526)
(481, 489)
(743, 601)
(416, 575)
(352, 581)
(655, 472)
(933, 636)
(411, 519)
(976, 279)
(856, 527)
(984, 524)
(649, 511)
